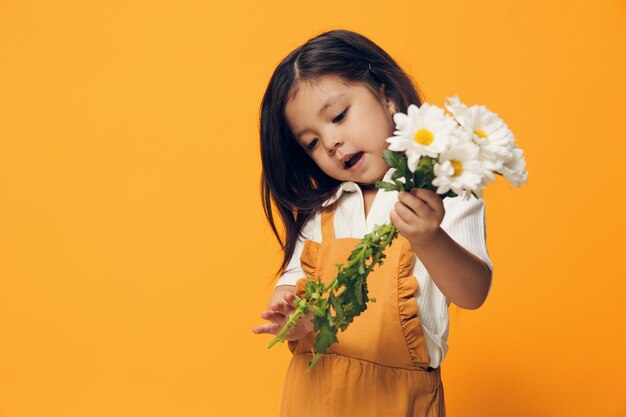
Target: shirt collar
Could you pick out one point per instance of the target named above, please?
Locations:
(350, 186)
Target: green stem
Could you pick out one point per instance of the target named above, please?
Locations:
(292, 322)
(313, 361)
(332, 285)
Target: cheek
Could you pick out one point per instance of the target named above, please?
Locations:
(366, 135)
(324, 163)
(387, 127)
(377, 132)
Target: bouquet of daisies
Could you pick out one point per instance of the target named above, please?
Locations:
(453, 153)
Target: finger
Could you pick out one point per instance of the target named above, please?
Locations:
(266, 328)
(272, 316)
(397, 221)
(431, 198)
(406, 214)
(406, 199)
(278, 306)
(282, 308)
(419, 206)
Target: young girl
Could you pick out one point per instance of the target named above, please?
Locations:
(324, 119)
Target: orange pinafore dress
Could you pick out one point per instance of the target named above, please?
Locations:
(380, 364)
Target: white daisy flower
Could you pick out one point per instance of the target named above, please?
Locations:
(457, 109)
(459, 167)
(423, 131)
(489, 131)
(515, 169)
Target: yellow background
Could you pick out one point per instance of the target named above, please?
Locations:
(134, 255)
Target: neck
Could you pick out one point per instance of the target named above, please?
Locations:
(366, 187)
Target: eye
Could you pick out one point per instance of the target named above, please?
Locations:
(311, 144)
(340, 117)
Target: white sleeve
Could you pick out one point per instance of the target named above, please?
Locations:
(465, 222)
(294, 271)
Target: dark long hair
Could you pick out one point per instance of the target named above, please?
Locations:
(290, 178)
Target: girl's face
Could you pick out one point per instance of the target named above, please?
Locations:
(343, 127)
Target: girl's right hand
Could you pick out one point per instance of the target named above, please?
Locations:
(279, 313)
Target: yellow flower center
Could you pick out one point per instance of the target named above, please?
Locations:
(458, 168)
(481, 134)
(424, 137)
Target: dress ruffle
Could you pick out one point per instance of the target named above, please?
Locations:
(309, 258)
(408, 308)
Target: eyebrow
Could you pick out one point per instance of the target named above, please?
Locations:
(328, 103)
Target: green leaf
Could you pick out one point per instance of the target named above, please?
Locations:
(390, 158)
(325, 338)
(385, 186)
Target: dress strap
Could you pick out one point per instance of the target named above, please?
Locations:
(328, 222)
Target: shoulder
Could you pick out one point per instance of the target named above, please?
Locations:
(343, 212)
(312, 228)
(464, 216)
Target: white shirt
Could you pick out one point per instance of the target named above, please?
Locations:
(464, 221)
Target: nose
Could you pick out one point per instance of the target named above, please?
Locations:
(331, 142)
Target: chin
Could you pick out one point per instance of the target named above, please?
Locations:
(380, 174)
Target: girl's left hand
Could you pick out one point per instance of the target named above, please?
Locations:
(279, 313)
(417, 215)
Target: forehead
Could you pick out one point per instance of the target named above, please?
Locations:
(323, 85)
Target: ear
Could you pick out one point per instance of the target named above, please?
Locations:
(391, 105)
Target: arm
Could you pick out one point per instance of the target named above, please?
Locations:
(461, 276)
(281, 305)
(279, 293)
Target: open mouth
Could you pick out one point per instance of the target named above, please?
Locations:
(353, 160)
